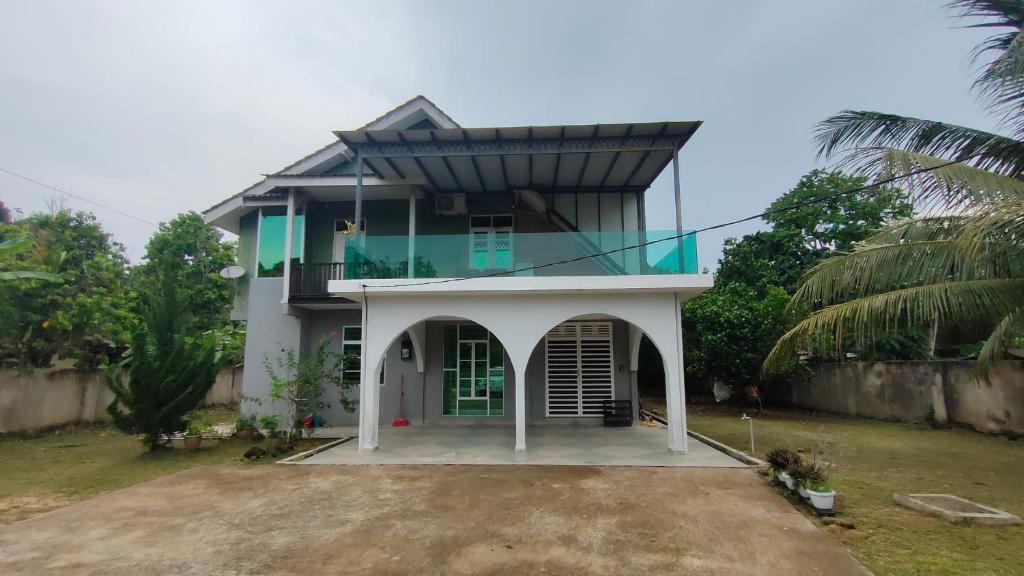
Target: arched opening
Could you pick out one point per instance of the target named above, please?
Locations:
(445, 370)
(586, 359)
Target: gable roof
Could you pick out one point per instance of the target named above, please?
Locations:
(413, 113)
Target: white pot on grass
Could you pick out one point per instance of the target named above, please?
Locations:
(822, 500)
(801, 491)
(786, 479)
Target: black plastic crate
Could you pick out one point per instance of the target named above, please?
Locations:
(618, 412)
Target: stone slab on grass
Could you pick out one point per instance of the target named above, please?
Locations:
(956, 509)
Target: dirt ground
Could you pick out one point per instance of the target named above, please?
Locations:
(429, 520)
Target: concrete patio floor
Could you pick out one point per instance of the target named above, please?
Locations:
(555, 445)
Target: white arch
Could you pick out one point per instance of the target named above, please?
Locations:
(520, 320)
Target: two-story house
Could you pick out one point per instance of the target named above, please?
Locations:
(498, 275)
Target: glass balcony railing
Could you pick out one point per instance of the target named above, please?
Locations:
(521, 254)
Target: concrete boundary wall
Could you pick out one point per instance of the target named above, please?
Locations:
(45, 398)
(947, 392)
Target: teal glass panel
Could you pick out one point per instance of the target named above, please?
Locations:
(465, 387)
(270, 252)
(352, 333)
(480, 390)
(451, 345)
(449, 392)
(472, 332)
(497, 392)
(466, 255)
(473, 407)
(497, 353)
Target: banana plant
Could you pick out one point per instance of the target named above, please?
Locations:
(10, 247)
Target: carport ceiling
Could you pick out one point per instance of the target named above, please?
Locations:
(594, 157)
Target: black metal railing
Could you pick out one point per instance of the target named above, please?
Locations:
(310, 280)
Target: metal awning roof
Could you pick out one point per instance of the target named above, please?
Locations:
(577, 157)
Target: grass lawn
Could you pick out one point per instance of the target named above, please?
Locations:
(874, 460)
(44, 471)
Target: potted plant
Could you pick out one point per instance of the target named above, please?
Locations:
(194, 433)
(779, 460)
(817, 486)
(269, 423)
(245, 427)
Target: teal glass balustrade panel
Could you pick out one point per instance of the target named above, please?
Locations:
(523, 254)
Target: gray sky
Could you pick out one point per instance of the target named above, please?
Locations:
(159, 108)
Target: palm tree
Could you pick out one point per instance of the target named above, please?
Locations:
(16, 245)
(961, 259)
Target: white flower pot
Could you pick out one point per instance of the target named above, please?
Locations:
(801, 490)
(786, 480)
(822, 500)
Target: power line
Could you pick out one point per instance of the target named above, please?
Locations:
(793, 206)
(66, 193)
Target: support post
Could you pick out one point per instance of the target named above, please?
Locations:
(359, 196)
(412, 233)
(679, 207)
(369, 393)
(288, 233)
(676, 390)
(520, 407)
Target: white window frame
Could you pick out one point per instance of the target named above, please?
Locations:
(359, 343)
(491, 232)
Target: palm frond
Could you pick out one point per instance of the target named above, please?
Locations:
(1001, 80)
(875, 268)
(994, 349)
(30, 275)
(934, 183)
(852, 129)
(969, 302)
(943, 227)
(1000, 228)
(15, 244)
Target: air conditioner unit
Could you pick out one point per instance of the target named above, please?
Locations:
(450, 204)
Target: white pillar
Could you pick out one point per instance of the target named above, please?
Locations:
(412, 232)
(288, 233)
(675, 397)
(369, 392)
(679, 207)
(359, 197)
(520, 406)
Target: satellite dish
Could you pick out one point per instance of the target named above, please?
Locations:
(232, 272)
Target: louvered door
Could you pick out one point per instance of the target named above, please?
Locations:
(579, 368)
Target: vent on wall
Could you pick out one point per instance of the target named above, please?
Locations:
(450, 204)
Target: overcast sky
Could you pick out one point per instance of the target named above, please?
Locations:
(159, 108)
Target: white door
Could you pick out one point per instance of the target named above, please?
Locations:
(341, 233)
(579, 368)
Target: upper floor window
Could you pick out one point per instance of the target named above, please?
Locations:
(490, 241)
(270, 246)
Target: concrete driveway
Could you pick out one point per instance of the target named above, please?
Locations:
(429, 520)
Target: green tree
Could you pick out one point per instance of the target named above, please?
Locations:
(169, 372)
(197, 254)
(960, 262)
(804, 232)
(87, 316)
(730, 330)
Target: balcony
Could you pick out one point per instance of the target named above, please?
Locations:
(498, 253)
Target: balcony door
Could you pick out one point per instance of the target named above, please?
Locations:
(490, 244)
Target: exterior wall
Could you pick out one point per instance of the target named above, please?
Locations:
(268, 331)
(45, 398)
(913, 392)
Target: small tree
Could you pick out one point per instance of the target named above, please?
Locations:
(305, 380)
(169, 373)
